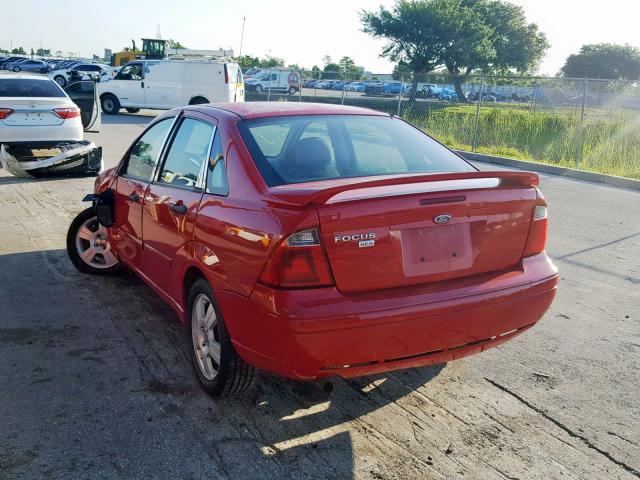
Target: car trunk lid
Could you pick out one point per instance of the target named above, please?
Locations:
(396, 232)
(33, 111)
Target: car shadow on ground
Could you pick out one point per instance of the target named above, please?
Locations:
(94, 364)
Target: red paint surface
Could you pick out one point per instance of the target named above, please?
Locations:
(423, 294)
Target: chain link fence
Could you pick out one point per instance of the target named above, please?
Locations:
(580, 123)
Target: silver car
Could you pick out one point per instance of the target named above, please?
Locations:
(35, 66)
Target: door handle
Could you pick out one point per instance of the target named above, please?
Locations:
(179, 208)
(133, 197)
(142, 84)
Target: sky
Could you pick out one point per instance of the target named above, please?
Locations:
(299, 31)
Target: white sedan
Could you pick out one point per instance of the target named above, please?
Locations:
(82, 71)
(41, 130)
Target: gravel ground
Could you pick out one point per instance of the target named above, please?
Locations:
(96, 383)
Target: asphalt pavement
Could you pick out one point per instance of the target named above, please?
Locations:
(95, 380)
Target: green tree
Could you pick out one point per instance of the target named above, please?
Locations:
(18, 51)
(401, 71)
(270, 62)
(315, 72)
(464, 36)
(604, 60)
(326, 60)
(174, 44)
(332, 71)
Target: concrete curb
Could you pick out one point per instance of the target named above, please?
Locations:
(612, 180)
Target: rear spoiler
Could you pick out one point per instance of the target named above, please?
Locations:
(320, 193)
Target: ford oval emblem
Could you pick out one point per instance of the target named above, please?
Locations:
(442, 219)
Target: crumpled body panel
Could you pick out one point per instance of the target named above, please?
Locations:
(62, 158)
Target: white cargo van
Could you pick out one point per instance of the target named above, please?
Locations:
(164, 84)
(274, 80)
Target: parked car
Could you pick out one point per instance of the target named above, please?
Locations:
(163, 84)
(328, 84)
(251, 72)
(7, 60)
(81, 71)
(338, 86)
(35, 66)
(309, 83)
(27, 65)
(320, 84)
(274, 80)
(356, 87)
(394, 88)
(41, 129)
(265, 267)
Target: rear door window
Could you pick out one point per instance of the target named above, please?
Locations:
(189, 149)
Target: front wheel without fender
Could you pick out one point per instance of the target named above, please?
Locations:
(88, 245)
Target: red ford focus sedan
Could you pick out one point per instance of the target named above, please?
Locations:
(315, 240)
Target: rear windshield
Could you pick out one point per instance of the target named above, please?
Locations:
(311, 148)
(24, 87)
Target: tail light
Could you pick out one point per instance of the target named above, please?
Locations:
(5, 112)
(538, 232)
(65, 113)
(298, 262)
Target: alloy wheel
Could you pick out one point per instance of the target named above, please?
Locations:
(205, 334)
(92, 244)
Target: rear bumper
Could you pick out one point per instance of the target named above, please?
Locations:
(306, 334)
(67, 158)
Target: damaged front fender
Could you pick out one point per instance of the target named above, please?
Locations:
(40, 159)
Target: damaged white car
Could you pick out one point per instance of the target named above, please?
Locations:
(42, 127)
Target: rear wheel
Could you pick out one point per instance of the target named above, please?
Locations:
(258, 88)
(60, 80)
(198, 101)
(16, 69)
(220, 369)
(132, 110)
(110, 104)
(88, 245)
(292, 90)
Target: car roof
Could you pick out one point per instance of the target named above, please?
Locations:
(249, 110)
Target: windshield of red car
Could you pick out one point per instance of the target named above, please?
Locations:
(307, 148)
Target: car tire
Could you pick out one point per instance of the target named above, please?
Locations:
(16, 69)
(220, 370)
(258, 88)
(110, 104)
(132, 110)
(292, 90)
(83, 237)
(60, 80)
(198, 101)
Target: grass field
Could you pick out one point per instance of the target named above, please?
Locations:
(611, 140)
(553, 136)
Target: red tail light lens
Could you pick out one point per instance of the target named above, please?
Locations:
(537, 239)
(298, 262)
(65, 113)
(5, 112)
